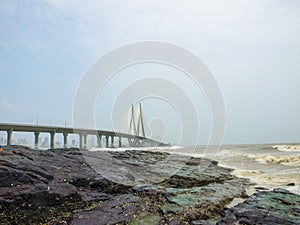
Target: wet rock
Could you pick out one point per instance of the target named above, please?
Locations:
(274, 207)
(131, 187)
(39, 186)
(261, 188)
(168, 208)
(190, 191)
(119, 209)
(202, 222)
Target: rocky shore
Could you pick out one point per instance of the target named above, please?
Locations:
(61, 187)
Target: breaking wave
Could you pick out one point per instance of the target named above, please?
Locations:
(227, 152)
(287, 148)
(279, 159)
(270, 181)
(245, 173)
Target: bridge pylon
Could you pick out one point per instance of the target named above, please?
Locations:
(138, 128)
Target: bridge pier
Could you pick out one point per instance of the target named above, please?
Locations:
(107, 141)
(9, 136)
(112, 141)
(85, 141)
(120, 141)
(52, 139)
(80, 141)
(99, 139)
(36, 140)
(65, 140)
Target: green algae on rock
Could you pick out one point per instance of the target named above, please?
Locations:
(266, 207)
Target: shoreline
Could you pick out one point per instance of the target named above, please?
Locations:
(255, 186)
(62, 187)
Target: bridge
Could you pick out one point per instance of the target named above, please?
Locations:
(110, 136)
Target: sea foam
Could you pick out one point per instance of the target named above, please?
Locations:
(287, 148)
(280, 159)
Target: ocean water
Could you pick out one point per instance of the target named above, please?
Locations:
(269, 166)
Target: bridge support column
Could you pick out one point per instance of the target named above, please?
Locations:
(36, 140)
(85, 140)
(99, 139)
(52, 139)
(142, 143)
(80, 141)
(120, 141)
(107, 141)
(65, 140)
(9, 137)
(112, 141)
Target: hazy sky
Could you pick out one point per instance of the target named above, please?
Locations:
(252, 47)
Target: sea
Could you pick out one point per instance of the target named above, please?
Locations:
(267, 166)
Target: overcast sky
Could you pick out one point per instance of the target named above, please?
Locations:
(252, 48)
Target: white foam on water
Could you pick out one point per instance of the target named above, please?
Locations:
(164, 148)
(271, 181)
(294, 189)
(264, 166)
(229, 153)
(287, 148)
(279, 159)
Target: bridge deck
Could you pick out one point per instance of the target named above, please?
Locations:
(67, 130)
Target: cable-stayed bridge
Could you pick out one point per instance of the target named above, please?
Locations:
(112, 138)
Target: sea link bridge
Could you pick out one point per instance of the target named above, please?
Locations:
(110, 136)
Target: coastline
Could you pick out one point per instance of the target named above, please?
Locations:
(62, 187)
(268, 165)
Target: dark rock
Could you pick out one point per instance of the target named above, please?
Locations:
(273, 207)
(261, 188)
(75, 187)
(39, 186)
(118, 210)
(202, 222)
